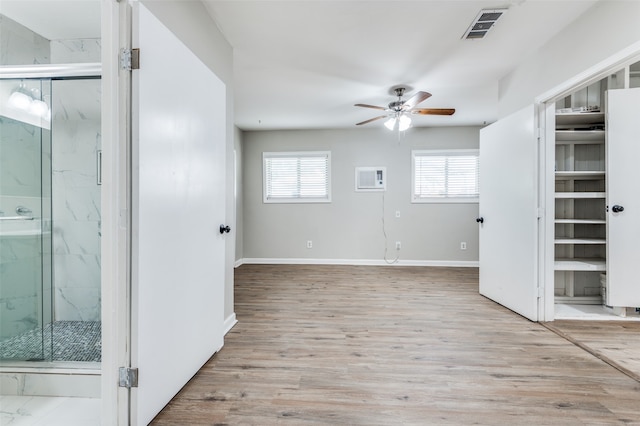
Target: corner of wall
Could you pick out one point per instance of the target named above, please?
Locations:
(571, 52)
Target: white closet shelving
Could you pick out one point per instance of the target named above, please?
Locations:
(580, 194)
(595, 212)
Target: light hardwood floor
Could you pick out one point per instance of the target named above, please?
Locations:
(355, 345)
(615, 342)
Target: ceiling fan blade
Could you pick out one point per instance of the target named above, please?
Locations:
(371, 119)
(371, 106)
(416, 99)
(433, 111)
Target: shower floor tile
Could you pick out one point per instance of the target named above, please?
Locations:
(72, 341)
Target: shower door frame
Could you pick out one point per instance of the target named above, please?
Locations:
(48, 72)
(52, 71)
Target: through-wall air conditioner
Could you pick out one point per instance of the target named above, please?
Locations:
(371, 178)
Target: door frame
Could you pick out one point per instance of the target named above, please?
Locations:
(545, 117)
(116, 211)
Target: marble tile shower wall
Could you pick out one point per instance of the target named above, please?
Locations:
(76, 216)
(76, 195)
(21, 46)
(75, 51)
(76, 141)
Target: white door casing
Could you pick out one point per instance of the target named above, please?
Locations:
(623, 178)
(178, 204)
(508, 207)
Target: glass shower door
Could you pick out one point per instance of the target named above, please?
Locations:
(25, 218)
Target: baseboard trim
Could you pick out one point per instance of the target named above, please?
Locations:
(238, 262)
(360, 262)
(229, 323)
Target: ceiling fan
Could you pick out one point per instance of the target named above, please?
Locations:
(398, 111)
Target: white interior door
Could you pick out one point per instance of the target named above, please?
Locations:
(623, 178)
(178, 193)
(508, 207)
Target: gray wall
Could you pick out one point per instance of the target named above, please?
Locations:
(190, 22)
(349, 229)
(238, 191)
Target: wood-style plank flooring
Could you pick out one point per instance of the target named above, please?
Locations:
(356, 345)
(615, 342)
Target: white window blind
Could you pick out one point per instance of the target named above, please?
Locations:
(297, 177)
(446, 176)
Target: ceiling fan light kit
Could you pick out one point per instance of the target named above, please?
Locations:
(404, 122)
(390, 123)
(398, 112)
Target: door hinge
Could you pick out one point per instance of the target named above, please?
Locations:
(129, 59)
(128, 377)
(539, 133)
(540, 212)
(540, 292)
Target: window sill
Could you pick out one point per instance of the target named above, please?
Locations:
(444, 200)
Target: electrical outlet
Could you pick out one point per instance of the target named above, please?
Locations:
(397, 213)
(398, 245)
(309, 244)
(463, 246)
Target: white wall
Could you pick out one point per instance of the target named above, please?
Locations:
(191, 23)
(605, 29)
(350, 227)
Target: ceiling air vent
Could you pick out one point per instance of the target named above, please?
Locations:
(483, 23)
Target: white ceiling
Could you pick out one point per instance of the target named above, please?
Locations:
(301, 64)
(304, 64)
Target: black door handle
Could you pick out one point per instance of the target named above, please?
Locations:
(480, 219)
(617, 209)
(224, 229)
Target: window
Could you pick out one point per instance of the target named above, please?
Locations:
(297, 177)
(445, 176)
